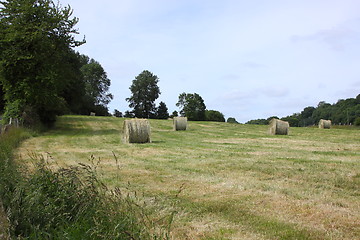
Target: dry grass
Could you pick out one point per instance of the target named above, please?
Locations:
(236, 181)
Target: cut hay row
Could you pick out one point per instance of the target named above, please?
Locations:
(137, 131)
(180, 123)
(325, 124)
(278, 127)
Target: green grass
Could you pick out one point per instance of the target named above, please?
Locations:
(224, 181)
(41, 202)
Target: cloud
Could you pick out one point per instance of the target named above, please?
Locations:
(337, 38)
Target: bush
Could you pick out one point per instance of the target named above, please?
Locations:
(357, 121)
(212, 115)
(231, 120)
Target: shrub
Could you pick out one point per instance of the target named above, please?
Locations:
(357, 121)
(212, 115)
(231, 120)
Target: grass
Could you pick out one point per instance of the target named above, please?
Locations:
(223, 181)
(70, 202)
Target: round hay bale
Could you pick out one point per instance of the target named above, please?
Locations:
(325, 124)
(137, 131)
(278, 127)
(180, 123)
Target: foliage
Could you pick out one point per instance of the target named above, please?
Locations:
(293, 120)
(117, 113)
(192, 106)
(2, 100)
(258, 122)
(34, 38)
(129, 114)
(231, 120)
(96, 84)
(13, 110)
(162, 111)
(357, 121)
(216, 116)
(174, 114)
(145, 91)
(342, 112)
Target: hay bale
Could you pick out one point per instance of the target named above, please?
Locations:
(92, 114)
(180, 123)
(137, 131)
(278, 127)
(325, 124)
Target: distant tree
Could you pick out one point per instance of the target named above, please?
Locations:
(216, 116)
(117, 113)
(162, 111)
(34, 38)
(145, 91)
(323, 111)
(270, 118)
(345, 111)
(258, 122)
(293, 120)
(129, 114)
(192, 106)
(97, 84)
(305, 118)
(231, 120)
(174, 114)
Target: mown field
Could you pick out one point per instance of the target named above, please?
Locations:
(220, 180)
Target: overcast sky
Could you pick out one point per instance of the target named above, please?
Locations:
(247, 59)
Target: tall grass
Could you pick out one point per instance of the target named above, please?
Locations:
(67, 203)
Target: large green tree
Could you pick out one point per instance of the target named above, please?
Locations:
(145, 91)
(97, 95)
(192, 106)
(35, 37)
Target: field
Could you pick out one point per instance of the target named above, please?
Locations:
(220, 180)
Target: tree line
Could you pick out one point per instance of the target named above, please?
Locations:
(41, 75)
(343, 112)
(145, 91)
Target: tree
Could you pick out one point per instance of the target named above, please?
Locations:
(258, 121)
(231, 120)
(216, 116)
(192, 106)
(174, 114)
(96, 84)
(144, 91)
(129, 114)
(35, 35)
(293, 120)
(117, 113)
(162, 111)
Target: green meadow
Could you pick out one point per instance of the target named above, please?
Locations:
(221, 180)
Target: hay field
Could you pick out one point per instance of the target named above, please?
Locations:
(223, 181)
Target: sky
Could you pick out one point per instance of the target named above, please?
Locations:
(247, 59)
